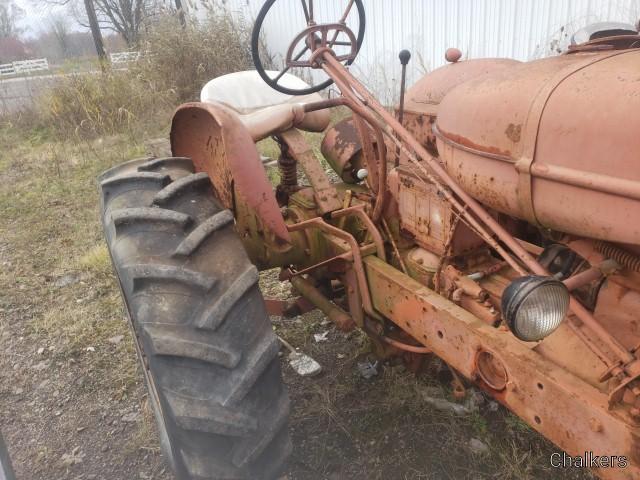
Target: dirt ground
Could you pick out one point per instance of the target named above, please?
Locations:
(72, 402)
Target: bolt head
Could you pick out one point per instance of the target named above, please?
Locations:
(595, 425)
(452, 55)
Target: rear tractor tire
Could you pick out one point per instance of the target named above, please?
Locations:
(206, 346)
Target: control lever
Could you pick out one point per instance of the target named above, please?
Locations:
(404, 56)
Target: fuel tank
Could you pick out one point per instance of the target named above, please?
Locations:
(555, 142)
(426, 94)
(423, 98)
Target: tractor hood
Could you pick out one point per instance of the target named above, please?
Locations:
(555, 142)
(427, 93)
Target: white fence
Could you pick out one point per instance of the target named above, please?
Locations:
(42, 64)
(124, 57)
(7, 69)
(24, 66)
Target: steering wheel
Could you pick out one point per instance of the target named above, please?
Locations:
(315, 39)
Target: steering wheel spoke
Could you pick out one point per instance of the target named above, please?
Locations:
(321, 32)
(281, 74)
(305, 9)
(302, 52)
(277, 78)
(317, 39)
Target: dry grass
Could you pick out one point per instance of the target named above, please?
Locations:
(139, 101)
(55, 262)
(182, 60)
(97, 262)
(145, 436)
(90, 105)
(51, 229)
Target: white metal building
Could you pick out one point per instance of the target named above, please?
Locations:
(521, 29)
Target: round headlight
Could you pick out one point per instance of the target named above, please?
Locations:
(534, 306)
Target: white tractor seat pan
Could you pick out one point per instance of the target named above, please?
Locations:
(263, 110)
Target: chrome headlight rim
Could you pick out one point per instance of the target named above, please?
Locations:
(517, 293)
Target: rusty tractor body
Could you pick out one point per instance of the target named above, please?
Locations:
(499, 169)
(502, 179)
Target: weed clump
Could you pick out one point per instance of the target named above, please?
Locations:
(113, 102)
(174, 64)
(97, 262)
(182, 60)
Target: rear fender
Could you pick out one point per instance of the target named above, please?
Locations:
(219, 144)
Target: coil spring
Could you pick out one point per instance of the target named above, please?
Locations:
(624, 258)
(288, 170)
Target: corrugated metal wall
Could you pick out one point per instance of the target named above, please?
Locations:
(521, 29)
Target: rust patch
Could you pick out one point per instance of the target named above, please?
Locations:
(346, 136)
(459, 141)
(217, 142)
(513, 132)
(341, 147)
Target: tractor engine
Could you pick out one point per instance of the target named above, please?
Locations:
(550, 148)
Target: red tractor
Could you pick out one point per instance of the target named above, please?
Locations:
(492, 220)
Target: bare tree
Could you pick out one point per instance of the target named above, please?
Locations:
(180, 12)
(95, 32)
(91, 22)
(60, 31)
(10, 13)
(125, 17)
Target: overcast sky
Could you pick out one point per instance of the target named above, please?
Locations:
(38, 14)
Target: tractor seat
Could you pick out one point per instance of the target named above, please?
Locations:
(263, 110)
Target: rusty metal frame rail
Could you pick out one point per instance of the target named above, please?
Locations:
(565, 409)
